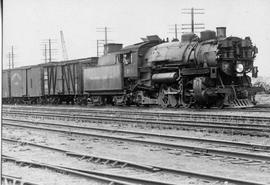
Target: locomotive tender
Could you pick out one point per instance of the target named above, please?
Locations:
(206, 71)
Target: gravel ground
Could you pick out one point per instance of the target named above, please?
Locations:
(185, 133)
(141, 153)
(159, 139)
(57, 158)
(44, 176)
(263, 98)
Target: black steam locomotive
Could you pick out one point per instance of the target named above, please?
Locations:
(200, 72)
(206, 71)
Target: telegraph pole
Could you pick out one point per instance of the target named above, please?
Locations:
(9, 60)
(106, 36)
(97, 48)
(192, 11)
(47, 50)
(174, 28)
(105, 30)
(100, 44)
(192, 20)
(12, 57)
(50, 51)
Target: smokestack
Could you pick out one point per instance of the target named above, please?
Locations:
(221, 32)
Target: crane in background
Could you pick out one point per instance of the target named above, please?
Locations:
(64, 49)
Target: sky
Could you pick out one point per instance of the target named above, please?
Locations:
(28, 24)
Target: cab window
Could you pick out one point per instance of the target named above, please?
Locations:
(125, 58)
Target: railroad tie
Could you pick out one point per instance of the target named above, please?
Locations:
(124, 165)
(89, 159)
(82, 158)
(98, 160)
(114, 163)
(106, 162)
(111, 183)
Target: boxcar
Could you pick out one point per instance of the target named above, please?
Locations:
(52, 77)
(53, 82)
(35, 82)
(72, 72)
(63, 81)
(18, 82)
(5, 86)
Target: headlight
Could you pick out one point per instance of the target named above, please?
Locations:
(239, 68)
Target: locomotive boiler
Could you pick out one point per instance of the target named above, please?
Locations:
(210, 70)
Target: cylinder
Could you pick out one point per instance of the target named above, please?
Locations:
(165, 77)
(221, 32)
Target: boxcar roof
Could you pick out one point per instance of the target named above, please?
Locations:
(94, 59)
(72, 61)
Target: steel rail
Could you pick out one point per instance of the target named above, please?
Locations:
(165, 169)
(236, 128)
(165, 136)
(123, 117)
(9, 180)
(142, 120)
(90, 158)
(205, 151)
(111, 178)
(143, 112)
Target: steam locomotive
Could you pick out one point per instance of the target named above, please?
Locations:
(196, 72)
(206, 71)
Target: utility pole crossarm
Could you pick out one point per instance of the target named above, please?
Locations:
(48, 51)
(192, 12)
(105, 30)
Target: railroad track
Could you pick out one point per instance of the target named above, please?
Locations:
(246, 146)
(110, 178)
(262, 129)
(208, 116)
(146, 112)
(10, 179)
(238, 157)
(106, 161)
(90, 158)
(258, 108)
(148, 116)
